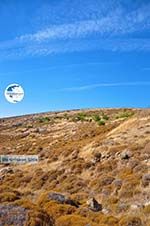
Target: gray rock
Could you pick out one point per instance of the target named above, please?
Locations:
(126, 154)
(97, 157)
(25, 134)
(94, 205)
(19, 216)
(117, 183)
(107, 181)
(18, 124)
(6, 170)
(62, 199)
(41, 130)
(12, 215)
(146, 179)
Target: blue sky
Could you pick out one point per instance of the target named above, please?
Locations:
(75, 54)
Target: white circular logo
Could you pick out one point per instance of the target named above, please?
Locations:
(14, 93)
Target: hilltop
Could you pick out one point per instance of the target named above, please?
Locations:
(93, 169)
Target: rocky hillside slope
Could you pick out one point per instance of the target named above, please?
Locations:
(93, 169)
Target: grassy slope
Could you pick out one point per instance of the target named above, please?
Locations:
(67, 144)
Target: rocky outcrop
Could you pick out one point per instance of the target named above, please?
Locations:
(20, 216)
(12, 215)
(146, 179)
(126, 154)
(62, 199)
(94, 205)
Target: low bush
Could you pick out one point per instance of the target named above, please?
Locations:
(124, 114)
(101, 122)
(79, 117)
(74, 220)
(8, 197)
(96, 118)
(56, 210)
(130, 220)
(105, 117)
(43, 120)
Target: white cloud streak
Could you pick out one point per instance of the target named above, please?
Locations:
(99, 85)
(111, 32)
(116, 23)
(66, 46)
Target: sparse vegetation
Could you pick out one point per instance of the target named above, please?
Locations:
(96, 118)
(124, 114)
(81, 161)
(105, 117)
(101, 122)
(43, 119)
(79, 117)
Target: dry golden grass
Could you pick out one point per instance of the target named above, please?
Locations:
(81, 159)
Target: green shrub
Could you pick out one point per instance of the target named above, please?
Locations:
(80, 117)
(101, 122)
(66, 116)
(105, 117)
(96, 118)
(124, 114)
(43, 119)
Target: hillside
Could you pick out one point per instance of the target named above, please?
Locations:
(93, 169)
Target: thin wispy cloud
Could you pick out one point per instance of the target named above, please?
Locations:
(66, 46)
(111, 31)
(117, 23)
(60, 67)
(99, 85)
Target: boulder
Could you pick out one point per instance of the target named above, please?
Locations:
(106, 180)
(12, 215)
(6, 170)
(94, 205)
(146, 179)
(117, 183)
(97, 157)
(25, 134)
(41, 130)
(62, 199)
(17, 215)
(126, 154)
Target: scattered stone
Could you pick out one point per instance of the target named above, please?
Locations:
(97, 157)
(136, 206)
(18, 124)
(105, 211)
(62, 199)
(94, 205)
(126, 154)
(19, 216)
(41, 130)
(105, 155)
(25, 134)
(6, 170)
(88, 165)
(12, 215)
(117, 183)
(106, 181)
(146, 179)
